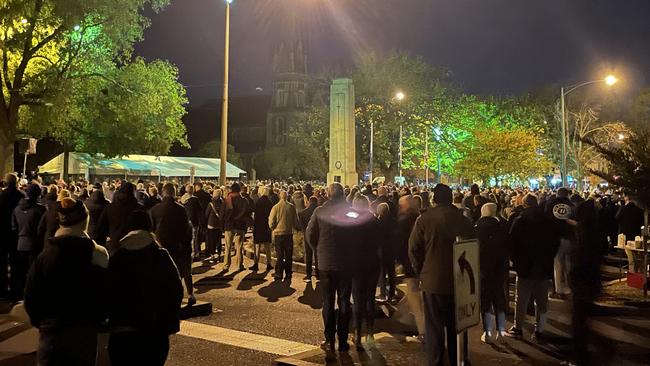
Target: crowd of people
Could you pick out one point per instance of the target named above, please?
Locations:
(114, 256)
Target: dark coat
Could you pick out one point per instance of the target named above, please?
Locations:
(212, 214)
(27, 221)
(9, 199)
(51, 217)
(331, 233)
(173, 231)
(630, 220)
(367, 248)
(194, 211)
(493, 241)
(114, 219)
(66, 285)
(591, 245)
(204, 200)
(233, 213)
(535, 241)
(405, 223)
(384, 199)
(261, 229)
(431, 247)
(96, 205)
(151, 201)
(145, 290)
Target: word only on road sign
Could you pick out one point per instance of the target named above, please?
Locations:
(466, 284)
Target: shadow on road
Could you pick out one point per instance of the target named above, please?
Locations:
(218, 281)
(251, 280)
(276, 290)
(312, 296)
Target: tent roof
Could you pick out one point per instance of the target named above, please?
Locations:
(142, 165)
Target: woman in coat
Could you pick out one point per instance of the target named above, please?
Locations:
(145, 294)
(215, 226)
(261, 231)
(95, 205)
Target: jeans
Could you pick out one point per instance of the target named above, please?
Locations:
(493, 301)
(213, 241)
(539, 291)
(387, 273)
(439, 318)
(196, 241)
(238, 237)
(284, 255)
(562, 267)
(311, 260)
(364, 286)
(138, 348)
(337, 287)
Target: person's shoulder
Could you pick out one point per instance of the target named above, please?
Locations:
(99, 256)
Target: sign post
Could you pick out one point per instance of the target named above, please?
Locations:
(466, 294)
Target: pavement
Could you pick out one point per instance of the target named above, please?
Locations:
(258, 321)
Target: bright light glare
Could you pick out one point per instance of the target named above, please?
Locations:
(24, 21)
(400, 96)
(611, 80)
(352, 214)
(77, 27)
(621, 136)
(229, 1)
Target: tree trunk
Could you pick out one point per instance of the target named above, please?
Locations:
(6, 156)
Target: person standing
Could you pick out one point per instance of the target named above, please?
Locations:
(331, 235)
(311, 259)
(113, 221)
(386, 236)
(27, 221)
(493, 255)
(262, 235)
(145, 294)
(95, 205)
(214, 225)
(9, 199)
(559, 210)
(283, 219)
(629, 218)
(194, 213)
(152, 199)
(535, 244)
(431, 253)
(65, 294)
(172, 228)
(234, 212)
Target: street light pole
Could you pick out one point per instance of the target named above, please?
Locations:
(224, 107)
(426, 155)
(372, 142)
(400, 150)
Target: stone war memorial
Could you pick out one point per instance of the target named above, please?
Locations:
(342, 162)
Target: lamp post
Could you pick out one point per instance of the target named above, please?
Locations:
(399, 96)
(372, 149)
(564, 91)
(224, 107)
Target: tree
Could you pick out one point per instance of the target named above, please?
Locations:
(212, 149)
(67, 72)
(504, 154)
(291, 161)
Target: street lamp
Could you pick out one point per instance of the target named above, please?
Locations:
(609, 80)
(399, 96)
(224, 108)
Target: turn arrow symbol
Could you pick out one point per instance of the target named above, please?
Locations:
(466, 266)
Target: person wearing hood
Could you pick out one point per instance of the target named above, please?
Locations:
(28, 222)
(493, 255)
(145, 294)
(9, 199)
(65, 294)
(95, 204)
(113, 221)
(533, 236)
(233, 213)
(262, 236)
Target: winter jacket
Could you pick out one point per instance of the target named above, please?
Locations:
(535, 241)
(559, 209)
(283, 218)
(212, 214)
(261, 229)
(9, 199)
(27, 221)
(630, 220)
(151, 201)
(51, 217)
(494, 246)
(96, 205)
(145, 290)
(66, 285)
(591, 245)
(431, 247)
(367, 246)
(331, 233)
(233, 212)
(173, 231)
(194, 211)
(305, 215)
(113, 221)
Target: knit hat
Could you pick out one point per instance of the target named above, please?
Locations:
(71, 212)
(235, 187)
(489, 210)
(442, 194)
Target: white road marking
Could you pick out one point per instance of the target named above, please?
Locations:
(246, 340)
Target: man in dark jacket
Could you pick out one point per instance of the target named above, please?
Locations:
(113, 221)
(173, 230)
(145, 295)
(559, 209)
(195, 214)
(261, 231)
(431, 254)
(629, 218)
(9, 199)
(534, 239)
(331, 235)
(65, 295)
(27, 222)
(95, 205)
(304, 217)
(234, 211)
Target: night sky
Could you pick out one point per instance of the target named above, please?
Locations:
(492, 46)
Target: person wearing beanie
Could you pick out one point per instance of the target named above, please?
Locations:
(9, 199)
(234, 213)
(28, 222)
(145, 294)
(492, 237)
(65, 294)
(431, 253)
